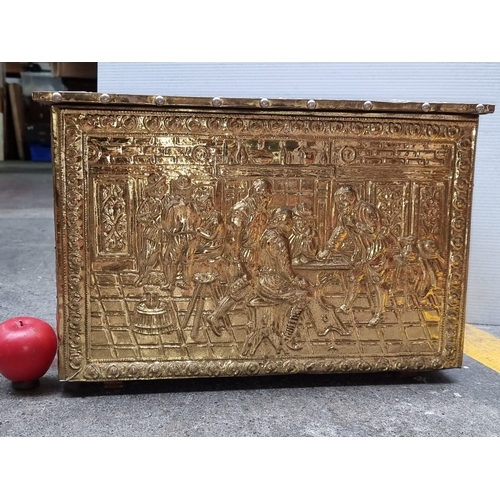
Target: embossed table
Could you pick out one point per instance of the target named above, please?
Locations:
(203, 237)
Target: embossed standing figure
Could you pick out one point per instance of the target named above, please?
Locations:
(304, 237)
(211, 242)
(361, 221)
(210, 266)
(432, 263)
(408, 268)
(149, 237)
(179, 228)
(247, 219)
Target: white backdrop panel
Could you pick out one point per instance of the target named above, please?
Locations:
(451, 82)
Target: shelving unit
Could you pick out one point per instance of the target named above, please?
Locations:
(25, 124)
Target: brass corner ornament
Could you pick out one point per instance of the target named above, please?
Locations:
(223, 237)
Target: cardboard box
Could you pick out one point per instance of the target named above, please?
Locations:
(15, 67)
(74, 69)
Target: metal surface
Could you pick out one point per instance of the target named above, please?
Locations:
(247, 103)
(218, 237)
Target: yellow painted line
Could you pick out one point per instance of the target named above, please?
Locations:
(483, 347)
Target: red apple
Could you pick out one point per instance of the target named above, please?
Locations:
(27, 348)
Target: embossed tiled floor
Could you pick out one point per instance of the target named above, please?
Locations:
(112, 318)
(462, 402)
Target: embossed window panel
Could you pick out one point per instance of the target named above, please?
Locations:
(205, 237)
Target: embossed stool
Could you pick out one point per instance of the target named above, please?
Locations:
(204, 289)
(265, 326)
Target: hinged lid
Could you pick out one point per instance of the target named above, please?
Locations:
(263, 103)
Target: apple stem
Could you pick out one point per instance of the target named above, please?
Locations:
(20, 323)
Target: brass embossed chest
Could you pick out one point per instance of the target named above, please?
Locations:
(201, 237)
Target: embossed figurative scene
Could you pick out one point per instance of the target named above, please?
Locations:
(258, 246)
(205, 242)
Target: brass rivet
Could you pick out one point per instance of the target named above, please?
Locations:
(159, 99)
(56, 97)
(105, 98)
(264, 103)
(426, 106)
(480, 108)
(311, 104)
(367, 105)
(216, 101)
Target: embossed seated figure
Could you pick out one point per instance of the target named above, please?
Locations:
(360, 223)
(247, 221)
(277, 281)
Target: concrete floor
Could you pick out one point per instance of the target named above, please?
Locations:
(463, 402)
